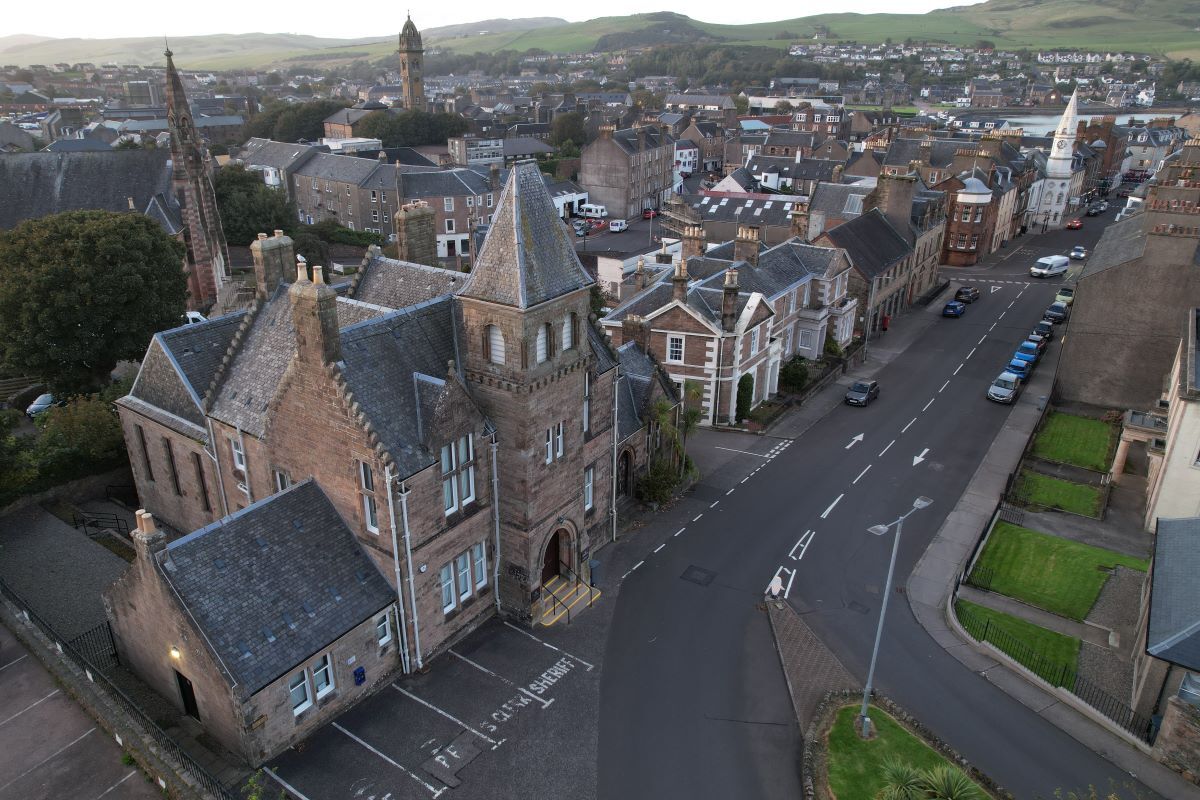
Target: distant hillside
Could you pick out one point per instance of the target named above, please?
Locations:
(1166, 27)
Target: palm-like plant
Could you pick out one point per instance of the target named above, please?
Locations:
(903, 781)
(947, 783)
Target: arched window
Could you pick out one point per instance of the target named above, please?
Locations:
(494, 344)
(568, 331)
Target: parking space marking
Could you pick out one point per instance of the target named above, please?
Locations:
(433, 790)
(1002, 313)
(660, 547)
(714, 505)
(31, 705)
(448, 716)
(743, 452)
(993, 327)
(110, 789)
(590, 667)
(55, 754)
(522, 690)
(701, 514)
(803, 542)
(290, 789)
(730, 492)
(14, 661)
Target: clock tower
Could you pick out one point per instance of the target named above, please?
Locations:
(412, 85)
(1054, 198)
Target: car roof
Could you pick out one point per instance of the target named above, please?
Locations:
(1012, 376)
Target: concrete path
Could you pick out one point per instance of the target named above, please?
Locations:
(1099, 533)
(1037, 616)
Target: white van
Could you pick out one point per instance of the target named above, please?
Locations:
(618, 225)
(593, 211)
(1050, 265)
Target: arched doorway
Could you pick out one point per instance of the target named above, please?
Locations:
(625, 474)
(557, 552)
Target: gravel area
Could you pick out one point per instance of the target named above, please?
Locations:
(1111, 669)
(59, 571)
(1106, 669)
(1117, 606)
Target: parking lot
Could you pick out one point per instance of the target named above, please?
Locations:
(502, 706)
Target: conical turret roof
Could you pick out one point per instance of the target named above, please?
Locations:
(527, 257)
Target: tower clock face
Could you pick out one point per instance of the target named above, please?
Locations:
(1061, 145)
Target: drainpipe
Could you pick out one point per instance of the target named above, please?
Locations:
(616, 432)
(412, 592)
(493, 447)
(217, 460)
(869, 319)
(387, 481)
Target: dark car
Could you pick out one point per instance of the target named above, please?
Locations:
(862, 393)
(1040, 342)
(1056, 313)
(967, 294)
(1075, 224)
(1044, 329)
(954, 308)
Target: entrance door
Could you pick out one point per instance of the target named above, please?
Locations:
(550, 561)
(450, 245)
(188, 695)
(623, 474)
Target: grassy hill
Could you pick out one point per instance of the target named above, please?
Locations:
(1164, 27)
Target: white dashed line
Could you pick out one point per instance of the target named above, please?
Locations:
(745, 479)
(892, 442)
(831, 505)
(681, 530)
(730, 492)
(956, 369)
(981, 339)
(1002, 313)
(697, 517)
(635, 566)
(660, 547)
(864, 472)
(927, 405)
(714, 505)
(944, 385)
(1010, 305)
(993, 327)
(911, 422)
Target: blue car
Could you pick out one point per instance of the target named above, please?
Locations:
(1020, 368)
(1028, 351)
(954, 308)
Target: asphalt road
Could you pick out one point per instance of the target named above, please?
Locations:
(692, 700)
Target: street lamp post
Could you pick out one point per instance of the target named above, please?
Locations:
(880, 530)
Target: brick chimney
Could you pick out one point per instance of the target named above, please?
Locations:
(635, 329)
(147, 539)
(494, 178)
(273, 259)
(679, 281)
(729, 300)
(639, 276)
(800, 220)
(314, 315)
(745, 245)
(693, 241)
(416, 235)
(894, 197)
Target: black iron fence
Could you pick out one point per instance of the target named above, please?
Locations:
(98, 643)
(1056, 673)
(981, 578)
(94, 523)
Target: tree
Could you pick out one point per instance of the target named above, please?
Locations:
(745, 396)
(741, 103)
(783, 107)
(793, 376)
(82, 290)
(411, 128)
(248, 206)
(568, 127)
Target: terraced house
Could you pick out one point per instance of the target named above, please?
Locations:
(369, 471)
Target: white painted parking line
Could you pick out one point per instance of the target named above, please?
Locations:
(776, 587)
(973, 349)
(889, 447)
(956, 369)
(697, 517)
(590, 667)
(745, 479)
(31, 705)
(290, 789)
(449, 716)
(944, 385)
(55, 754)
(433, 789)
(864, 472)
(803, 542)
(743, 452)
(14, 661)
(911, 422)
(660, 547)
(927, 405)
(545, 703)
(681, 530)
(110, 789)
(825, 513)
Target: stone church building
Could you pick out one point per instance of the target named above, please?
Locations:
(450, 437)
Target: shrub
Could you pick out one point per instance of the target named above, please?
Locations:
(745, 396)
(832, 348)
(658, 484)
(793, 376)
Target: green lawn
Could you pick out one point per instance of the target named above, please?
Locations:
(1041, 490)
(1074, 440)
(855, 764)
(1044, 652)
(1056, 574)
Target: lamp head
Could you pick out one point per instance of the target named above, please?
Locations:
(922, 502)
(878, 530)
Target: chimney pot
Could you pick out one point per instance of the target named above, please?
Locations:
(262, 236)
(301, 270)
(278, 233)
(318, 274)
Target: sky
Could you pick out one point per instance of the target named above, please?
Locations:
(87, 19)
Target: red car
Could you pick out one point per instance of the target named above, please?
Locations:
(1074, 224)
(649, 213)
(599, 225)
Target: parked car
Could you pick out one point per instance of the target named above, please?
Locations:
(862, 393)
(1005, 388)
(1066, 295)
(1078, 252)
(649, 213)
(1057, 312)
(954, 308)
(599, 225)
(967, 294)
(1020, 368)
(193, 318)
(1049, 265)
(1044, 329)
(584, 231)
(1103, 205)
(1075, 224)
(618, 225)
(1040, 342)
(1028, 351)
(1094, 210)
(42, 404)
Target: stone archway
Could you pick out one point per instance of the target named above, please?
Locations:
(557, 553)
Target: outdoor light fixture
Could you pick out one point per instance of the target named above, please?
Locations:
(921, 502)
(175, 653)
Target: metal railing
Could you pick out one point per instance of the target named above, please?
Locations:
(555, 603)
(94, 642)
(94, 523)
(591, 590)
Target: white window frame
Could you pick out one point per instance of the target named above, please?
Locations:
(383, 622)
(479, 565)
(542, 351)
(282, 481)
(671, 342)
(807, 338)
(448, 204)
(366, 487)
(589, 476)
(307, 702)
(449, 225)
(489, 201)
(549, 445)
(470, 202)
(568, 332)
(239, 454)
(446, 580)
(754, 342)
(558, 440)
(458, 473)
(496, 352)
(326, 669)
(462, 575)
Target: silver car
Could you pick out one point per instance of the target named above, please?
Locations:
(1005, 388)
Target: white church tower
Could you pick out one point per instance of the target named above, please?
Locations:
(1057, 187)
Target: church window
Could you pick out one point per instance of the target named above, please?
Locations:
(493, 343)
(1060, 197)
(568, 331)
(145, 454)
(587, 402)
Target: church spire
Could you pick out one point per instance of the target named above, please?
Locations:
(1062, 151)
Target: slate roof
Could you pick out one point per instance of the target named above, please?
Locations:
(633, 397)
(1120, 243)
(841, 200)
(395, 284)
(750, 211)
(525, 146)
(778, 138)
(193, 353)
(1173, 633)
(349, 116)
(600, 349)
(526, 258)
(631, 139)
(274, 584)
(805, 169)
(870, 241)
(458, 182)
(280, 155)
(941, 152)
(87, 145)
(346, 169)
(34, 185)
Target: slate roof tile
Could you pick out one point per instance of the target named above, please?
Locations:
(1173, 633)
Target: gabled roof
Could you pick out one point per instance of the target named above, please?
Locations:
(1173, 633)
(274, 584)
(395, 284)
(1120, 243)
(331, 167)
(640, 373)
(458, 182)
(870, 241)
(526, 258)
(261, 152)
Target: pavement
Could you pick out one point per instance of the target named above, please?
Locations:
(1038, 616)
(811, 669)
(50, 748)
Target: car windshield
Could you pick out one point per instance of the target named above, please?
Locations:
(1066, 292)
(860, 387)
(1004, 383)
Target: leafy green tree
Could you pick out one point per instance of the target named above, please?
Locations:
(85, 431)
(745, 396)
(82, 290)
(305, 120)
(568, 127)
(741, 104)
(793, 376)
(248, 206)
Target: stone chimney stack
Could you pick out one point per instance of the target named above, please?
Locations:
(679, 281)
(838, 169)
(662, 256)
(745, 245)
(273, 259)
(693, 241)
(635, 329)
(147, 539)
(800, 220)
(314, 315)
(639, 277)
(894, 197)
(494, 178)
(416, 234)
(729, 300)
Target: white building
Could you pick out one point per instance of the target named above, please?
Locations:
(1060, 188)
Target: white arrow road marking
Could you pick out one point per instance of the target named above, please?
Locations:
(994, 289)
(855, 441)
(920, 458)
(802, 543)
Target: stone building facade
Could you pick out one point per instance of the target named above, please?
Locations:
(628, 170)
(412, 82)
